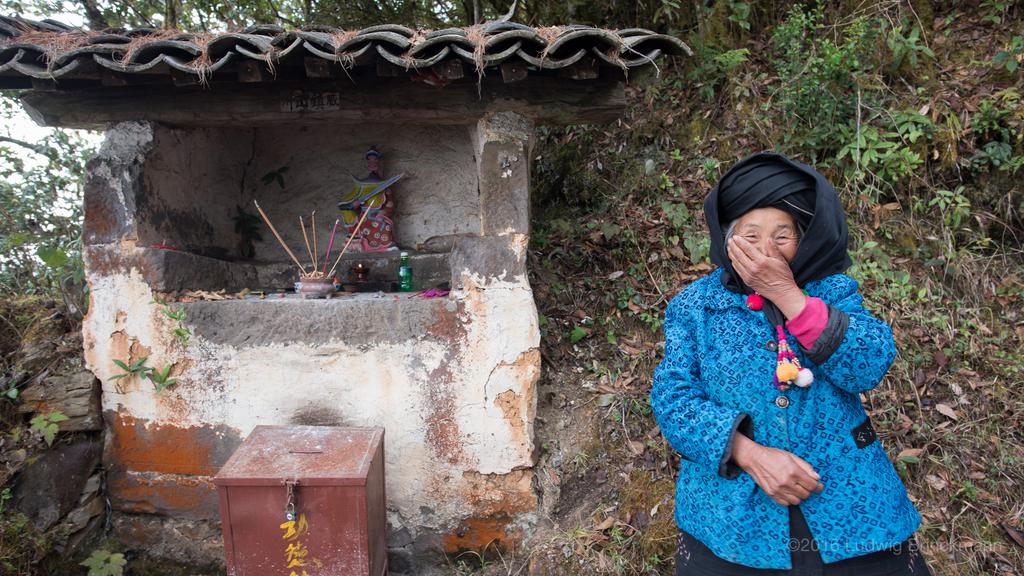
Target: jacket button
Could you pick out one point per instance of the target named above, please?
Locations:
(782, 401)
(771, 345)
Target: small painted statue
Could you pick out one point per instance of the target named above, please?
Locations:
(376, 234)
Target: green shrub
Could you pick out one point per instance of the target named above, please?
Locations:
(819, 80)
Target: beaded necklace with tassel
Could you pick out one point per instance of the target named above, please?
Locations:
(787, 367)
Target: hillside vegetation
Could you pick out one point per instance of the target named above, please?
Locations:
(913, 110)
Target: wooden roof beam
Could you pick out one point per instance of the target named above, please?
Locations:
(545, 100)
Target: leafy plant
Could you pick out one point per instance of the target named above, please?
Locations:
(47, 425)
(883, 154)
(52, 255)
(992, 154)
(137, 368)
(991, 121)
(954, 205)
(873, 266)
(739, 14)
(653, 318)
(41, 210)
(715, 68)
(997, 130)
(177, 313)
(912, 126)
(668, 10)
(994, 10)
(698, 245)
(105, 563)
(677, 214)
(10, 390)
(181, 333)
(161, 378)
(1010, 58)
(819, 78)
(907, 49)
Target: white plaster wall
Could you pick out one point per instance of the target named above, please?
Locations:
(382, 385)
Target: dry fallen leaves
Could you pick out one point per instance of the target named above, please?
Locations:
(1016, 534)
(947, 411)
(910, 454)
(936, 482)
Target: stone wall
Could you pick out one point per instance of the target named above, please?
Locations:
(452, 380)
(58, 487)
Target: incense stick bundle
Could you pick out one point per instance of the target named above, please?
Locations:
(350, 239)
(330, 244)
(315, 250)
(309, 250)
(279, 239)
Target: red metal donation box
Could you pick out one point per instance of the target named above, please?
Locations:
(305, 501)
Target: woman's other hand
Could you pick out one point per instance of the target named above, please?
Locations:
(785, 477)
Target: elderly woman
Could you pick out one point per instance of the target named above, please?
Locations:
(765, 359)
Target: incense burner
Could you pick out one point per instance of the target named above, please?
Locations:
(315, 287)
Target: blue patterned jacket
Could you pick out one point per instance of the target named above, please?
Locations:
(715, 381)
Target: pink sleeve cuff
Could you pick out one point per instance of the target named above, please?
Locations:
(809, 323)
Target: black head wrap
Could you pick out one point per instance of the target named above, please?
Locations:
(768, 179)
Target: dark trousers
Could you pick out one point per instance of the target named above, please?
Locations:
(693, 558)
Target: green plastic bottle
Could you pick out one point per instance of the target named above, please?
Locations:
(405, 274)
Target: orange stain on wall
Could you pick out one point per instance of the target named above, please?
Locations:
(165, 468)
(179, 496)
(161, 447)
(482, 533)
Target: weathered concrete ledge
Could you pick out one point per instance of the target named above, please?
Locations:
(357, 320)
(173, 270)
